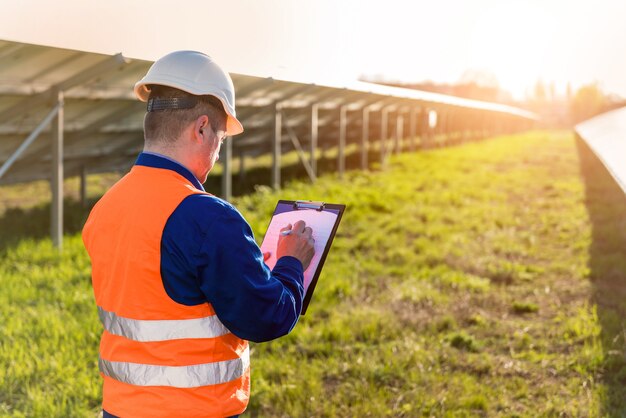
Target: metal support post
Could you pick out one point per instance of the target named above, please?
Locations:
(83, 186)
(242, 167)
(56, 177)
(227, 162)
(399, 133)
(341, 163)
(441, 126)
(451, 126)
(426, 129)
(276, 147)
(383, 136)
(314, 133)
(462, 125)
(413, 129)
(365, 126)
(484, 126)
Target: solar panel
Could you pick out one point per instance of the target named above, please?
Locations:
(103, 120)
(101, 125)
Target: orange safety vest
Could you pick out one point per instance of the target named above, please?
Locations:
(158, 358)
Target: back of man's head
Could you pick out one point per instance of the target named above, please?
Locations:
(164, 126)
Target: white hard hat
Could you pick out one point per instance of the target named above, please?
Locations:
(197, 74)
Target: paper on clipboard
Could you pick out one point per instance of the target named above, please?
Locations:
(322, 223)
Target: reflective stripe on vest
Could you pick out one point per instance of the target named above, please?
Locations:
(177, 376)
(161, 330)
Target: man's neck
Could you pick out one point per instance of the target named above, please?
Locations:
(171, 153)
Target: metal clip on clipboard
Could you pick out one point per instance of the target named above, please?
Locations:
(308, 204)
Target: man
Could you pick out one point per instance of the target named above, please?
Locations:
(179, 281)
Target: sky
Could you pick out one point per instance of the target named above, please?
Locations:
(516, 41)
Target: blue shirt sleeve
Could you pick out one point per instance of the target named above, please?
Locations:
(209, 254)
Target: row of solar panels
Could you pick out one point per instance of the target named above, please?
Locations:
(102, 120)
(606, 136)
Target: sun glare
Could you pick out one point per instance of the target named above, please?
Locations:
(511, 40)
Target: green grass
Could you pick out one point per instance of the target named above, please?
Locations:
(480, 280)
(525, 307)
(49, 332)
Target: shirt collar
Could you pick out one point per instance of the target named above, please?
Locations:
(152, 159)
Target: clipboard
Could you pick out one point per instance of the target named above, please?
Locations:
(322, 217)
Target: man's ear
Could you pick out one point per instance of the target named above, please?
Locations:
(201, 123)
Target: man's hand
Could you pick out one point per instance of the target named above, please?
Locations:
(296, 241)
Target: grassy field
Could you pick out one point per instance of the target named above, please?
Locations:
(481, 280)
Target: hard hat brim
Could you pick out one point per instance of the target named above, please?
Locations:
(233, 126)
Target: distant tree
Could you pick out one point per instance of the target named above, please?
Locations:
(540, 92)
(588, 101)
(482, 78)
(568, 92)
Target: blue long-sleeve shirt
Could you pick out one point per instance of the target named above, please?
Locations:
(208, 254)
